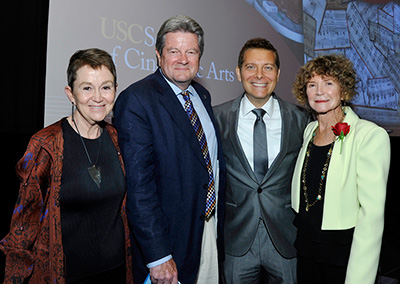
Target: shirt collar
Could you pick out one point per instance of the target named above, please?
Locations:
(247, 106)
(177, 91)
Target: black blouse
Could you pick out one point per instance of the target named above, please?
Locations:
(92, 227)
(324, 246)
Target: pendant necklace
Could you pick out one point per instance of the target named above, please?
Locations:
(323, 174)
(94, 171)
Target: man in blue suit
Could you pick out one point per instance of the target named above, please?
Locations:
(174, 165)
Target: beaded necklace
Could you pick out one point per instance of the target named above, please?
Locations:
(323, 174)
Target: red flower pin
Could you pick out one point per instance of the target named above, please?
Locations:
(341, 129)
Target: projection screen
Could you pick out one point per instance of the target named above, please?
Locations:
(127, 30)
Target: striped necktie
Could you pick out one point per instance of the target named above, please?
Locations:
(201, 137)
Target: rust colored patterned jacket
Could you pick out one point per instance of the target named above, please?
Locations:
(33, 247)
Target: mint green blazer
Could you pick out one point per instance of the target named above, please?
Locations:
(355, 191)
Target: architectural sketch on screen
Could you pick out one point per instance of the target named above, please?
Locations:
(369, 35)
(284, 16)
(366, 33)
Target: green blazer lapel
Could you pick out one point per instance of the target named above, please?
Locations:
(339, 164)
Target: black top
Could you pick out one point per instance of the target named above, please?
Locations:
(325, 246)
(92, 227)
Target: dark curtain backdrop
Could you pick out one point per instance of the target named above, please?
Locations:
(24, 42)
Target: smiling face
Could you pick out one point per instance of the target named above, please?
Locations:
(93, 94)
(180, 58)
(259, 75)
(323, 94)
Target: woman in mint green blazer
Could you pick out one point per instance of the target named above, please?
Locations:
(339, 182)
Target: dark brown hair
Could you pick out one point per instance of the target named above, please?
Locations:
(93, 57)
(258, 43)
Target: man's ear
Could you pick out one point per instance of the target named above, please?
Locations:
(239, 76)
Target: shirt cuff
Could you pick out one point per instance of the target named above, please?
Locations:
(158, 262)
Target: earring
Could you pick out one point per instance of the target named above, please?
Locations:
(73, 105)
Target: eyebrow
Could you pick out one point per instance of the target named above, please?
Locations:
(190, 49)
(323, 79)
(89, 83)
(268, 63)
(263, 65)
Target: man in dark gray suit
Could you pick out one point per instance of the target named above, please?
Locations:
(261, 136)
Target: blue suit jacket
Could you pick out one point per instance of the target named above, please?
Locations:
(166, 176)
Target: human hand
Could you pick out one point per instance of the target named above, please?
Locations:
(165, 273)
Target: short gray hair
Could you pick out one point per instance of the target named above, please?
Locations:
(179, 23)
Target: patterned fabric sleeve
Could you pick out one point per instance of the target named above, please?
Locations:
(33, 172)
(33, 247)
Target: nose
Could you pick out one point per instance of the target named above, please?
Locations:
(183, 58)
(97, 97)
(320, 90)
(259, 73)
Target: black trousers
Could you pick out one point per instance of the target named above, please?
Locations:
(114, 276)
(309, 271)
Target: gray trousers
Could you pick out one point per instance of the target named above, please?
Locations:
(261, 264)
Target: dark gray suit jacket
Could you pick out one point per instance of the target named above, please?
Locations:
(245, 197)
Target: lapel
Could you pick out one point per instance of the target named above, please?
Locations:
(286, 119)
(339, 164)
(233, 125)
(237, 147)
(206, 100)
(178, 114)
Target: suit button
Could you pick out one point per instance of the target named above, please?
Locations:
(259, 190)
(205, 186)
(202, 218)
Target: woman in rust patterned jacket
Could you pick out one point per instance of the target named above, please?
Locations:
(69, 223)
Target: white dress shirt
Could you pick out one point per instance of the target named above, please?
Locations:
(273, 123)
